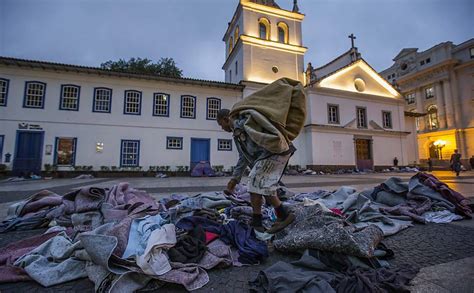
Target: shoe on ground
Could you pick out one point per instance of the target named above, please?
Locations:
(281, 224)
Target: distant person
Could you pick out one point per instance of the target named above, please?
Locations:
(430, 165)
(455, 162)
(471, 162)
(395, 162)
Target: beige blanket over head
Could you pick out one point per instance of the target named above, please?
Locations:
(275, 114)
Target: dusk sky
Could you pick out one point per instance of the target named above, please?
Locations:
(89, 32)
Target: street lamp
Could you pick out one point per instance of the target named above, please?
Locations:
(440, 144)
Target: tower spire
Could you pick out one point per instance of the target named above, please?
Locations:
(295, 6)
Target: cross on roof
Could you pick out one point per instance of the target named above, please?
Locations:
(352, 37)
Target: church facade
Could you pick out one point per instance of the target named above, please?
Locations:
(67, 115)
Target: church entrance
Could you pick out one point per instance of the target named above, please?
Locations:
(363, 149)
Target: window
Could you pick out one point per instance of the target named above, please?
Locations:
(65, 154)
(161, 104)
(130, 153)
(174, 143)
(3, 91)
(213, 106)
(428, 60)
(432, 117)
(387, 119)
(231, 44)
(132, 103)
(2, 140)
(410, 98)
(264, 28)
(471, 52)
(333, 114)
(224, 144)
(361, 117)
(102, 100)
(236, 68)
(230, 75)
(283, 33)
(188, 107)
(69, 99)
(34, 94)
(422, 62)
(429, 92)
(236, 34)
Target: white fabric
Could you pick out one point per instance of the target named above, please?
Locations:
(154, 261)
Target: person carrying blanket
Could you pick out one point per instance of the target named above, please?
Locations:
(264, 125)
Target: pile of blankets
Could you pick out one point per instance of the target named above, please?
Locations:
(124, 240)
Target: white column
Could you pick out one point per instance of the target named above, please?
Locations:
(449, 104)
(420, 109)
(440, 104)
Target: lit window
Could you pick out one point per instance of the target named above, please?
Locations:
(161, 104)
(224, 144)
(133, 102)
(213, 106)
(236, 34)
(174, 143)
(188, 107)
(333, 114)
(410, 98)
(432, 117)
(361, 117)
(102, 100)
(3, 91)
(34, 94)
(69, 97)
(264, 28)
(283, 33)
(130, 153)
(387, 119)
(231, 44)
(429, 92)
(65, 151)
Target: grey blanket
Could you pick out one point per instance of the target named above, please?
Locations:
(314, 228)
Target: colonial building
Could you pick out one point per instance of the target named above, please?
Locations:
(439, 82)
(69, 115)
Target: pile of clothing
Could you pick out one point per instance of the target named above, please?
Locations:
(124, 240)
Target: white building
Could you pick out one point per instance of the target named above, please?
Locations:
(439, 82)
(68, 115)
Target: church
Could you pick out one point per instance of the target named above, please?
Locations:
(67, 116)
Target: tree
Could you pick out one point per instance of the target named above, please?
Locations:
(164, 67)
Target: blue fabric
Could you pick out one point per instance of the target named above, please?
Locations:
(140, 231)
(189, 223)
(239, 235)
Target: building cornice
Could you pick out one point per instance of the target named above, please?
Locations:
(411, 76)
(278, 12)
(332, 128)
(464, 65)
(60, 67)
(354, 95)
(246, 39)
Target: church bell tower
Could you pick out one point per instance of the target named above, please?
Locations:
(264, 43)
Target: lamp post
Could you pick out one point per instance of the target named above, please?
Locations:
(440, 144)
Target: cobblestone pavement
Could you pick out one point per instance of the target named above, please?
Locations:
(419, 246)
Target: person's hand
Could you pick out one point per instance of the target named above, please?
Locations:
(230, 187)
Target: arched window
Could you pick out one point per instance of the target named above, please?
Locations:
(283, 33)
(264, 28)
(231, 44)
(432, 117)
(236, 34)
